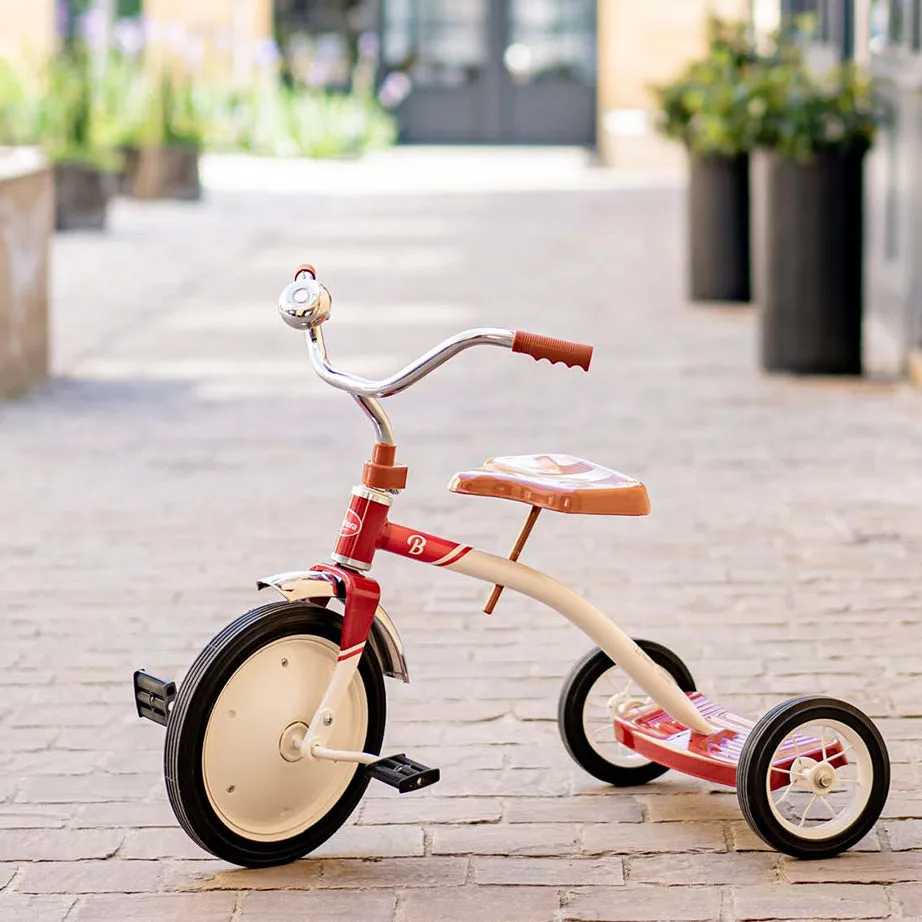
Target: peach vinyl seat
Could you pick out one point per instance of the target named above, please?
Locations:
(559, 482)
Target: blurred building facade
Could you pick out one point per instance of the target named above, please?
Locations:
(494, 71)
(465, 71)
(517, 71)
(886, 35)
(553, 72)
(894, 196)
(540, 71)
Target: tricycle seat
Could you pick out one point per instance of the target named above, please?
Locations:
(558, 482)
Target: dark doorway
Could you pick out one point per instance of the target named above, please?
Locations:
(494, 71)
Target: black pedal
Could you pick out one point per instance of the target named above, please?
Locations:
(153, 697)
(403, 773)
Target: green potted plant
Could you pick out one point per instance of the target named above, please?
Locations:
(18, 108)
(286, 118)
(121, 94)
(707, 108)
(73, 135)
(167, 137)
(338, 125)
(816, 129)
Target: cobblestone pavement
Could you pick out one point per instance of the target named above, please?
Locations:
(184, 450)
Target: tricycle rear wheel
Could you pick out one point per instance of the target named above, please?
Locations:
(813, 777)
(588, 730)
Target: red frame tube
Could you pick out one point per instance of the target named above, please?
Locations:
(365, 529)
(420, 545)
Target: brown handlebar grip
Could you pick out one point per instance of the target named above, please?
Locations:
(554, 350)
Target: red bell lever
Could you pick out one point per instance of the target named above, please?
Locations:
(575, 355)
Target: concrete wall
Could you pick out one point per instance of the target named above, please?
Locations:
(26, 225)
(644, 42)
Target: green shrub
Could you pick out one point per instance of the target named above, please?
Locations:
(89, 106)
(69, 121)
(277, 120)
(800, 113)
(707, 106)
(18, 107)
(734, 99)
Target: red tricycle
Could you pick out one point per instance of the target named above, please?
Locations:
(276, 730)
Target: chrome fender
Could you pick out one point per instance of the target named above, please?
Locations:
(311, 585)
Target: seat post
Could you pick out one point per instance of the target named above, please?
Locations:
(514, 555)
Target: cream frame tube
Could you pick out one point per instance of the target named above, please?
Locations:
(653, 679)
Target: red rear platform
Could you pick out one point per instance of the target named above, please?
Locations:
(651, 732)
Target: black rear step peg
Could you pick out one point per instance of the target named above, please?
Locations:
(153, 697)
(403, 773)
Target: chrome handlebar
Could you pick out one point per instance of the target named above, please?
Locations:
(416, 370)
(305, 304)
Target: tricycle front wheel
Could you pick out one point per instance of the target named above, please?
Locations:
(585, 721)
(234, 773)
(813, 777)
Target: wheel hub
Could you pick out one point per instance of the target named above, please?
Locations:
(813, 776)
(291, 740)
(822, 778)
(621, 705)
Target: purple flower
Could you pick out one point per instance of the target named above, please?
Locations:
(368, 44)
(129, 37)
(267, 53)
(394, 89)
(318, 74)
(63, 17)
(94, 28)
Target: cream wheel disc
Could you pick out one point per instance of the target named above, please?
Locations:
(822, 796)
(254, 782)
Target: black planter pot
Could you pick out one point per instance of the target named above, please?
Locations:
(129, 157)
(81, 198)
(718, 228)
(811, 253)
(166, 173)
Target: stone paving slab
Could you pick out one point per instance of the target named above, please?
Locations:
(183, 450)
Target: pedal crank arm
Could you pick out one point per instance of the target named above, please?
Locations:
(343, 755)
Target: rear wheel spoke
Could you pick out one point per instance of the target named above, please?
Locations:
(829, 807)
(803, 819)
(784, 796)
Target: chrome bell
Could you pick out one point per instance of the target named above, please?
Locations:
(305, 303)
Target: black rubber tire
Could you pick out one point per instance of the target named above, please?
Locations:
(189, 718)
(570, 713)
(755, 763)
